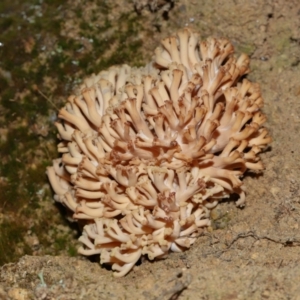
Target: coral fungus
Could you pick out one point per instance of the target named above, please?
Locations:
(148, 152)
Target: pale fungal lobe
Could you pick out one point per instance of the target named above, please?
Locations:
(148, 152)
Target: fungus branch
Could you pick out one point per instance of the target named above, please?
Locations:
(148, 152)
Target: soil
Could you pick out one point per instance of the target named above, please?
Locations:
(45, 50)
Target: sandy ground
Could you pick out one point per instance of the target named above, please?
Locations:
(252, 253)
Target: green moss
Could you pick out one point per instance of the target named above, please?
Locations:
(246, 48)
(12, 236)
(6, 23)
(281, 43)
(22, 183)
(61, 243)
(129, 48)
(72, 251)
(36, 54)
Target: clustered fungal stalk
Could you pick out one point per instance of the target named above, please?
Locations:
(148, 152)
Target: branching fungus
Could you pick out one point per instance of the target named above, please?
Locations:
(148, 152)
